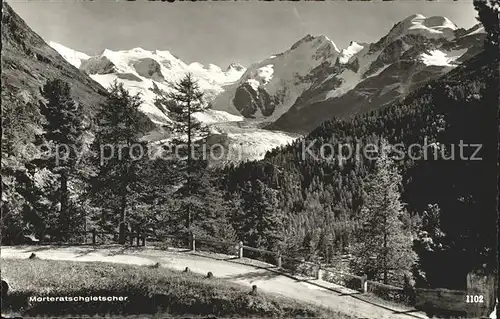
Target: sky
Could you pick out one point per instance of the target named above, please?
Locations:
(221, 32)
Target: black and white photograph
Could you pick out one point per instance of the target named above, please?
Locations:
(250, 159)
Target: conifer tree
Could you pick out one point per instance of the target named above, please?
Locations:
(383, 246)
(119, 156)
(14, 122)
(489, 16)
(63, 134)
(263, 219)
(180, 105)
(211, 211)
(487, 127)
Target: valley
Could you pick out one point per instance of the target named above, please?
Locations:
(76, 123)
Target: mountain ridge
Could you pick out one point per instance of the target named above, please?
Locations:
(294, 91)
(429, 47)
(278, 89)
(140, 69)
(378, 74)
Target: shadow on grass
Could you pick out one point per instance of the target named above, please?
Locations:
(33, 249)
(350, 293)
(406, 311)
(122, 250)
(256, 275)
(82, 250)
(184, 250)
(86, 251)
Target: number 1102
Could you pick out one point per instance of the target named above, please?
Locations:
(474, 298)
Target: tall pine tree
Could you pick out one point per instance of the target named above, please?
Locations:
(262, 224)
(119, 157)
(63, 133)
(180, 105)
(383, 246)
(489, 16)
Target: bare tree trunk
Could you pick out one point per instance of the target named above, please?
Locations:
(189, 164)
(63, 214)
(385, 257)
(385, 230)
(385, 249)
(123, 216)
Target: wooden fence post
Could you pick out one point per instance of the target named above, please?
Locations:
(138, 237)
(122, 233)
(94, 235)
(278, 262)
(193, 242)
(316, 273)
(364, 284)
(240, 250)
(144, 240)
(319, 274)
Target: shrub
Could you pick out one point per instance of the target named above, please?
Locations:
(346, 280)
(388, 292)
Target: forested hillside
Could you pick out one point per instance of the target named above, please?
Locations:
(450, 199)
(28, 63)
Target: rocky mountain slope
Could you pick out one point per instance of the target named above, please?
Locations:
(28, 62)
(312, 81)
(414, 52)
(269, 88)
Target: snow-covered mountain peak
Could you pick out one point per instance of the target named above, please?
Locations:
(315, 42)
(139, 50)
(72, 56)
(268, 88)
(431, 27)
(197, 65)
(140, 69)
(305, 39)
(235, 67)
(281, 88)
(212, 68)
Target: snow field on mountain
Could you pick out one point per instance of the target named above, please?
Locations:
(442, 58)
(126, 64)
(73, 57)
(347, 53)
(432, 27)
(350, 78)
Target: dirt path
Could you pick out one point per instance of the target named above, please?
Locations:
(267, 279)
